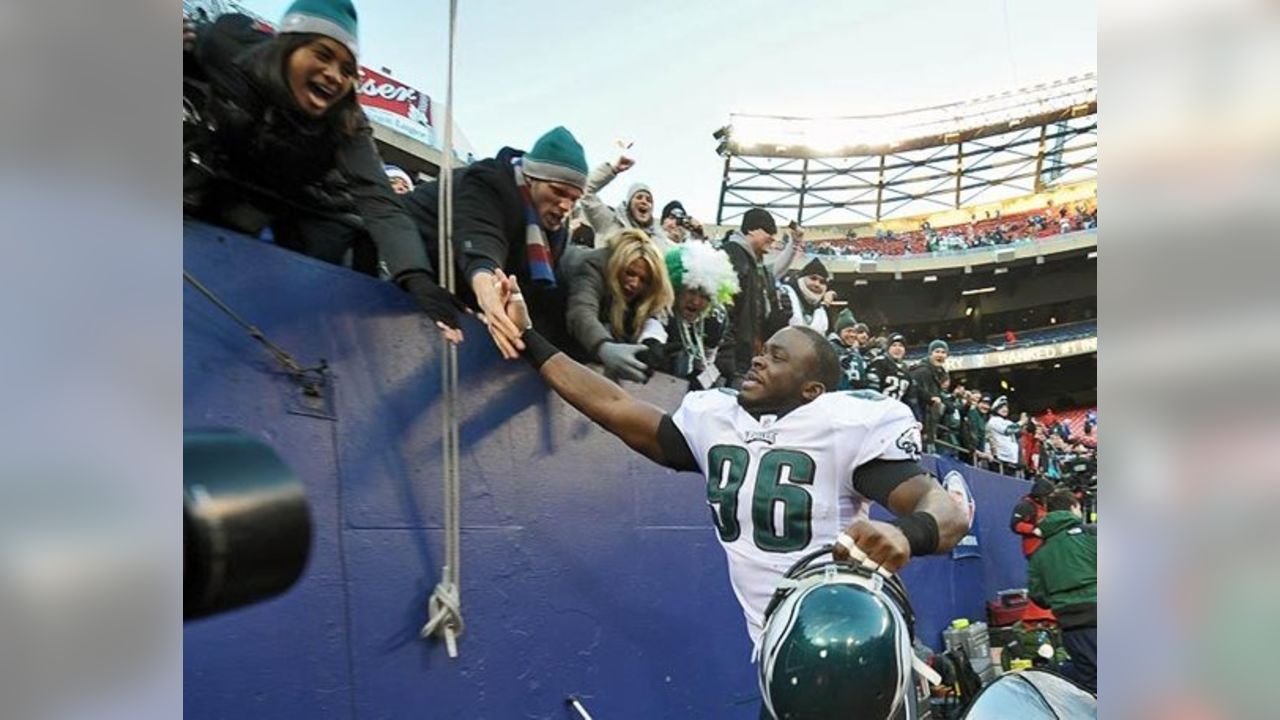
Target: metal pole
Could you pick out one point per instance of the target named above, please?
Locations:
(880, 189)
(724, 187)
(1039, 184)
(804, 185)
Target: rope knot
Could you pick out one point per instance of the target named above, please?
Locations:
(444, 615)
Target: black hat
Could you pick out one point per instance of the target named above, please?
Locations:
(896, 337)
(1041, 488)
(673, 209)
(985, 399)
(815, 267)
(758, 219)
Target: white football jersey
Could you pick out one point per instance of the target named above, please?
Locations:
(781, 487)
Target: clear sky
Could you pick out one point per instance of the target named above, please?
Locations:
(665, 74)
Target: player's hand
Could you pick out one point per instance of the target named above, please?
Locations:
(883, 544)
(623, 164)
(513, 301)
(488, 289)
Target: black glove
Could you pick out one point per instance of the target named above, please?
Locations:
(437, 303)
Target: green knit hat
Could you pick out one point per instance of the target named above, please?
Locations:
(332, 18)
(845, 319)
(557, 157)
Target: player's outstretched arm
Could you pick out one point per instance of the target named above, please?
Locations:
(634, 421)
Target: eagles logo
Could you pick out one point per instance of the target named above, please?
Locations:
(909, 442)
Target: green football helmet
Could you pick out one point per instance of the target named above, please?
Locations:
(837, 644)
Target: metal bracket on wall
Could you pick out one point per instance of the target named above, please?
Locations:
(311, 393)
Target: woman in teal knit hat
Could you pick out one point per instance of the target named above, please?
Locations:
(273, 138)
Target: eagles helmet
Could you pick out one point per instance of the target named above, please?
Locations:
(837, 644)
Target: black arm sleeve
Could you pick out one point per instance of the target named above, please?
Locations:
(479, 219)
(388, 223)
(675, 450)
(878, 478)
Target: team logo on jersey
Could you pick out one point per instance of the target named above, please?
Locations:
(767, 437)
(909, 441)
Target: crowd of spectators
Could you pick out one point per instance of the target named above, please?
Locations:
(991, 230)
(275, 145)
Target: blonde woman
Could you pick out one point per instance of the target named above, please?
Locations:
(613, 290)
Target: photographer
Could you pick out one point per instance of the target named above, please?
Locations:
(679, 226)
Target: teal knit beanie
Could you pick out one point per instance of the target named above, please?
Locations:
(332, 18)
(845, 319)
(557, 157)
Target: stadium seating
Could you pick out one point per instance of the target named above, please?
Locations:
(1026, 338)
(1001, 230)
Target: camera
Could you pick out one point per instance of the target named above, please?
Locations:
(246, 529)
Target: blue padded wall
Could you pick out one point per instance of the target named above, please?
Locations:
(587, 570)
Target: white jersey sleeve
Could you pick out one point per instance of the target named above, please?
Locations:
(690, 418)
(894, 435)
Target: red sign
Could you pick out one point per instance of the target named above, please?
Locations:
(386, 93)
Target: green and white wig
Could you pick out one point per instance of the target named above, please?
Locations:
(699, 266)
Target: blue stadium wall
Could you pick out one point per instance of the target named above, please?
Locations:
(587, 570)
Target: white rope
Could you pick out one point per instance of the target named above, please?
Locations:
(445, 604)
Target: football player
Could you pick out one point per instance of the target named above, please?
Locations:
(789, 467)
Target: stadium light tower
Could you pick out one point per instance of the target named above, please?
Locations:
(872, 167)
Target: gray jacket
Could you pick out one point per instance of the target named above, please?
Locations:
(607, 220)
(589, 299)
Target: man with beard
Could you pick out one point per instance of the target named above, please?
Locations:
(809, 296)
(888, 373)
(636, 211)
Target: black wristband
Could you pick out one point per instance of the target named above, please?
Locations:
(921, 529)
(537, 349)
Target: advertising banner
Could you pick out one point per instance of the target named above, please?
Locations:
(952, 474)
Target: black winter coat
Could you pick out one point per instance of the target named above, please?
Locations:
(756, 313)
(251, 159)
(489, 233)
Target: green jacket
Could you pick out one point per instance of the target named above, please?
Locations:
(1063, 574)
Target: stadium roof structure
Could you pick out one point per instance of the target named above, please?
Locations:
(873, 167)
